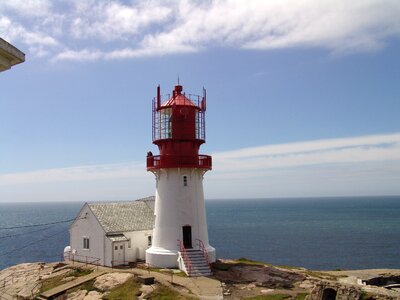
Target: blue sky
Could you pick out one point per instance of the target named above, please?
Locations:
(303, 98)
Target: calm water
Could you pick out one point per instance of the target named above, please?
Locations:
(318, 233)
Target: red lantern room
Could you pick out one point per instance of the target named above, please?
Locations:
(178, 131)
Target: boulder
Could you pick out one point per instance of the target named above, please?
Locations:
(78, 295)
(108, 281)
(93, 295)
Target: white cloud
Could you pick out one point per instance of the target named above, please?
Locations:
(26, 8)
(105, 29)
(113, 21)
(345, 150)
(39, 43)
(365, 165)
(79, 173)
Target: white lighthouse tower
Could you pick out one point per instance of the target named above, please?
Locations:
(180, 236)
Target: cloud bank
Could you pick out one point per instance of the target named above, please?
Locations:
(366, 165)
(103, 29)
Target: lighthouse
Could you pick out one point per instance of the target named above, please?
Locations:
(180, 235)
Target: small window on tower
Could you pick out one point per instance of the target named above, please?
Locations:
(149, 240)
(184, 180)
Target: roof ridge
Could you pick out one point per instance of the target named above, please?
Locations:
(149, 198)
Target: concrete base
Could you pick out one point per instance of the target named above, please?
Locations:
(161, 258)
(212, 257)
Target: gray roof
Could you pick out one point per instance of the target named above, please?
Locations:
(9, 55)
(125, 216)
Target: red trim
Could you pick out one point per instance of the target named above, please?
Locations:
(178, 161)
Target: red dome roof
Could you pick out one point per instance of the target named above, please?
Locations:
(178, 98)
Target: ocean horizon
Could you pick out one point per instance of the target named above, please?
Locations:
(321, 233)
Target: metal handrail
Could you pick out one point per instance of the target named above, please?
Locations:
(202, 248)
(88, 259)
(185, 257)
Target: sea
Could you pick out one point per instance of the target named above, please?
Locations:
(315, 233)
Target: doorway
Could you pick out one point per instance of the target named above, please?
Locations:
(118, 254)
(187, 236)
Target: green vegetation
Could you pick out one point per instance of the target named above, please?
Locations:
(224, 266)
(366, 296)
(321, 275)
(80, 272)
(164, 293)
(50, 283)
(88, 285)
(126, 291)
(164, 271)
(300, 296)
(247, 261)
(270, 297)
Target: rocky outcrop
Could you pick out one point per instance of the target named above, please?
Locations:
(85, 295)
(108, 281)
(265, 276)
(22, 280)
(333, 290)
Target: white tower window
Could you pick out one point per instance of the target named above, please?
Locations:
(185, 181)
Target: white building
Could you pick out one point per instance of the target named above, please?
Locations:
(111, 234)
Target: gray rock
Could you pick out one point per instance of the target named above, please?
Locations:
(108, 281)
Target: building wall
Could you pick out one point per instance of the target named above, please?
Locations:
(108, 255)
(86, 225)
(139, 244)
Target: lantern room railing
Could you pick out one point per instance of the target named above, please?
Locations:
(178, 161)
(161, 118)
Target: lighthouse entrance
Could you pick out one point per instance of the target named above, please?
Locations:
(187, 236)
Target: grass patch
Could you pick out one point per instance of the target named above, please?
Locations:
(270, 297)
(163, 271)
(366, 296)
(321, 275)
(164, 293)
(52, 282)
(224, 266)
(126, 291)
(247, 261)
(49, 283)
(88, 285)
(301, 296)
(80, 272)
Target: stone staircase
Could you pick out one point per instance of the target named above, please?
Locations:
(198, 264)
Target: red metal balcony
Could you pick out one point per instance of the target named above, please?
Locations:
(175, 161)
